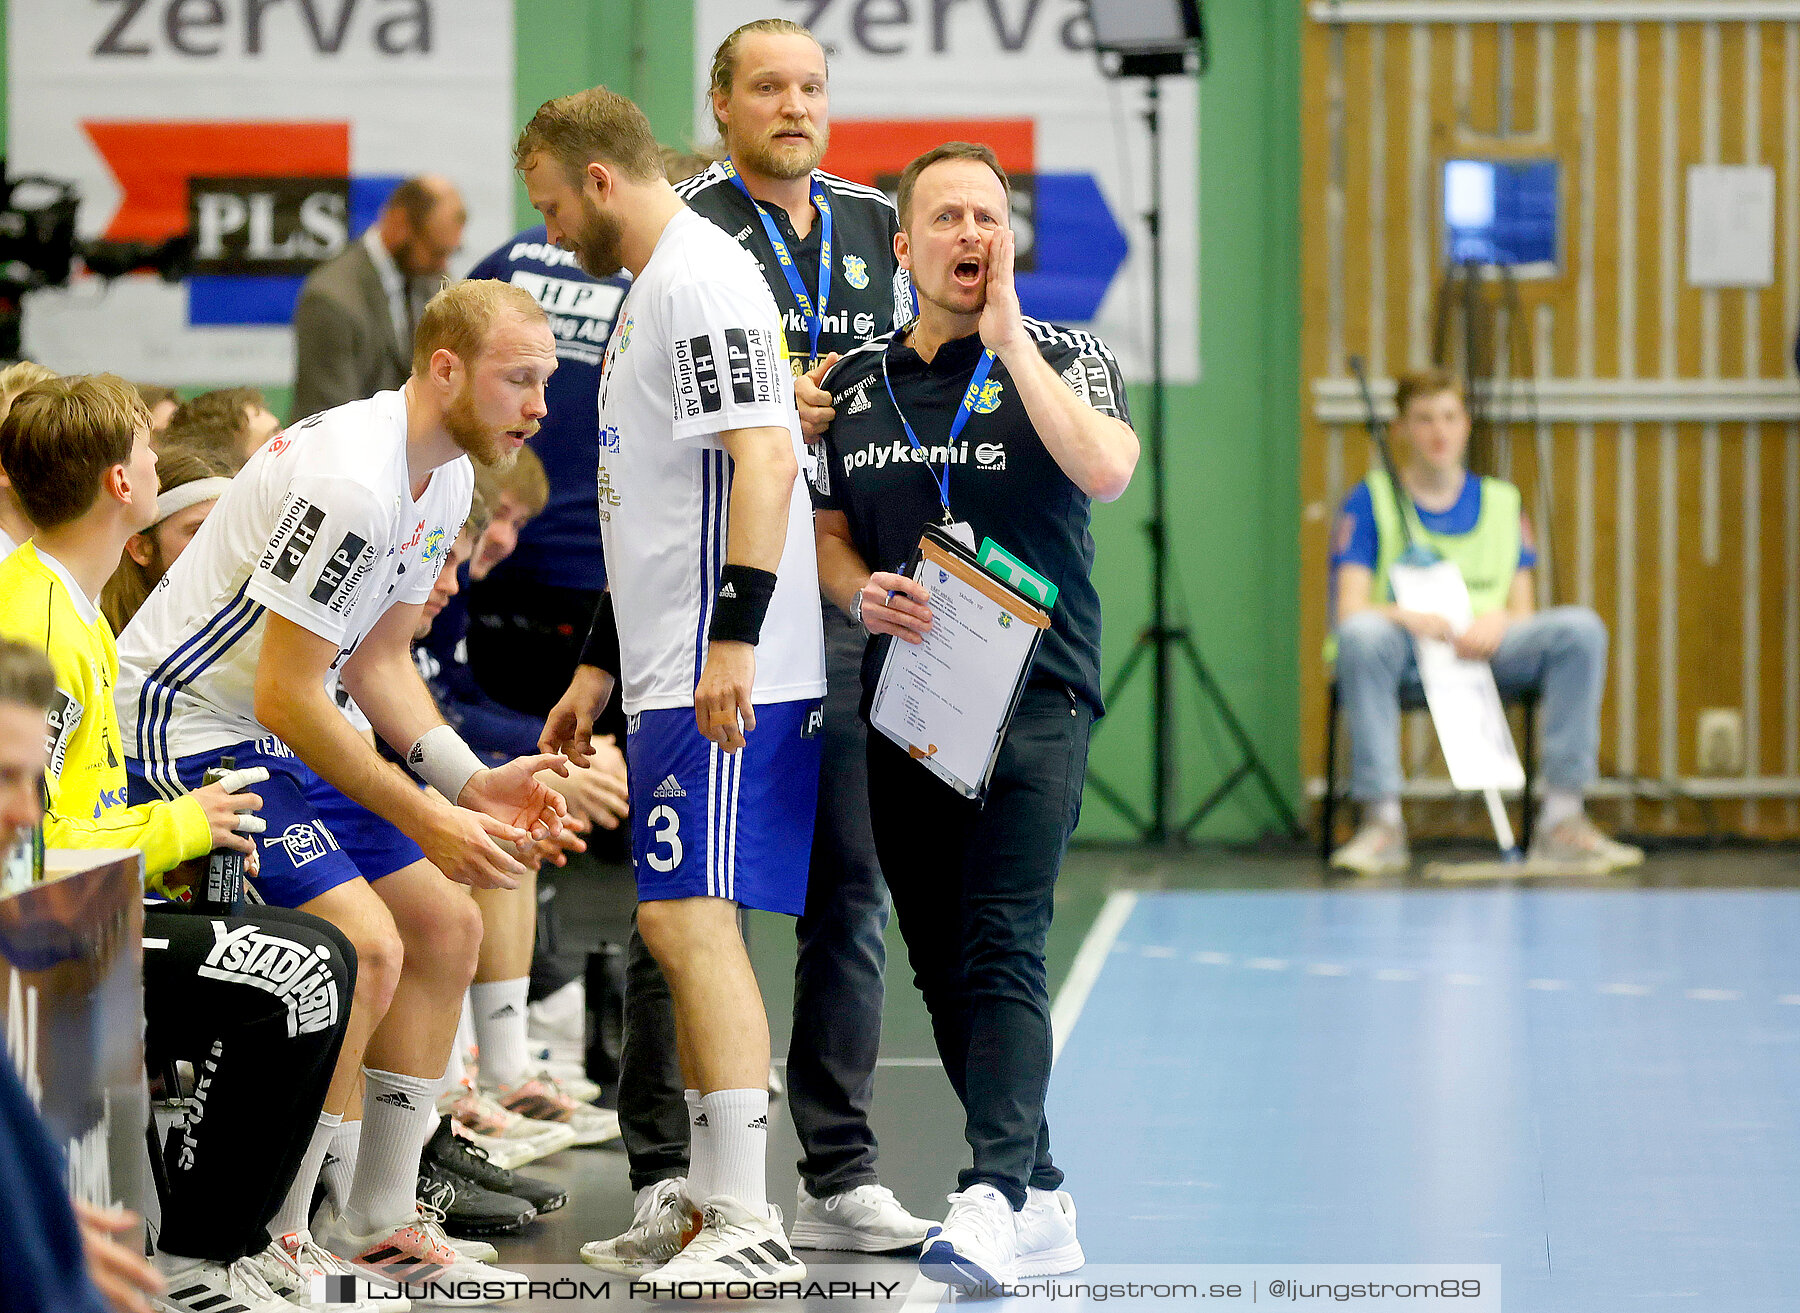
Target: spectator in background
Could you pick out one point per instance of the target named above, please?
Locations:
(15, 528)
(1477, 524)
(241, 412)
(189, 482)
(160, 402)
(42, 1242)
(353, 326)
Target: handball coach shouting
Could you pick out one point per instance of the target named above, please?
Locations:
(1043, 410)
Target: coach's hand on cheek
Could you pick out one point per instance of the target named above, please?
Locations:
(1002, 323)
(722, 697)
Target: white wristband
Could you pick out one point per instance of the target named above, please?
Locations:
(443, 761)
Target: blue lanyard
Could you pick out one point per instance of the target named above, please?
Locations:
(814, 322)
(971, 395)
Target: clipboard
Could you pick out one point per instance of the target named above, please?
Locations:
(949, 700)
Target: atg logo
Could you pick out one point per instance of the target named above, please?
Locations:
(266, 203)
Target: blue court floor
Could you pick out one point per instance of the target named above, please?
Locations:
(1597, 1090)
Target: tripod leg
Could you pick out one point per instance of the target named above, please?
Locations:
(1250, 757)
(1144, 644)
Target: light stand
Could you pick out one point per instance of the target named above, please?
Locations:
(1135, 52)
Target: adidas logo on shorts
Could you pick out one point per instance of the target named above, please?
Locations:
(669, 788)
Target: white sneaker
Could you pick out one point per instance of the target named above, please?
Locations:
(559, 1018)
(291, 1264)
(1376, 849)
(734, 1245)
(481, 1114)
(1576, 847)
(540, 1098)
(663, 1221)
(1046, 1229)
(208, 1287)
(419, 1255)
(867, 1219)
(572, 1077)
(979, 1245)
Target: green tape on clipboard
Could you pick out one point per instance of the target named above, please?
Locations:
(1003, 565)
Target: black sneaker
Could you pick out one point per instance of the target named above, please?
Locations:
(453, 1153)
(468, 1209)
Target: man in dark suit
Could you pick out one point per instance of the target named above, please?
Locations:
(354, 323)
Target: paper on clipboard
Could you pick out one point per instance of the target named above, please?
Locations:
(948, 700)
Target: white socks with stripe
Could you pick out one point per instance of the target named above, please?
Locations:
(399, 1112)
(738, 1125)
(296, 1209)
(499, 1010)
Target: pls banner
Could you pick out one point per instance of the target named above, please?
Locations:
(272, 132)
(1021, 76)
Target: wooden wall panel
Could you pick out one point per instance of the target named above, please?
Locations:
(1671, 504)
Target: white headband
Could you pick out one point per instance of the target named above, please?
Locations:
(189, 494)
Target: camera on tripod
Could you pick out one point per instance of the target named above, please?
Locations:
(39, 248)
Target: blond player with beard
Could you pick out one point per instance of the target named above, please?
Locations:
(313, 568)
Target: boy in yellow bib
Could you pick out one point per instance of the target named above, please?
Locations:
(1478, 524)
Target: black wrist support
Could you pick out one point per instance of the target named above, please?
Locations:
(602, 645)
(741, 604)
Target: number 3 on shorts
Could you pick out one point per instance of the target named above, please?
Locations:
(665, 828)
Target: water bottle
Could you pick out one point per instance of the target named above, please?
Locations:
(23, 865)
(222, 891)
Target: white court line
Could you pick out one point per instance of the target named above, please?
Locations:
(1085, 970)
(1064, 1012)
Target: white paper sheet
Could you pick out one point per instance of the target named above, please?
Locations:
(946, 700)
(1730, 225)
(1464, 700)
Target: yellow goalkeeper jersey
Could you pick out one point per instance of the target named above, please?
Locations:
(42, 605)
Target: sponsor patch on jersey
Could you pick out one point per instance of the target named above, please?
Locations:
(265, 960)
(696, 378)
(1098, 388)
(294, 535)
(64, 719)
(856, 271)
(338, 576)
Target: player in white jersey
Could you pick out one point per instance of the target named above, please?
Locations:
(312, 570)
(719, 645)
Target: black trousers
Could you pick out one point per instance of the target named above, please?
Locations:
(838, 969)
(973, 889)
(259, 1005)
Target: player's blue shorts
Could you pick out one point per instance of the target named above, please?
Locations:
(316, 839)
(706, 822)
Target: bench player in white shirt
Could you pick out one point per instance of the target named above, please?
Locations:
(719, 645)
(316, 563)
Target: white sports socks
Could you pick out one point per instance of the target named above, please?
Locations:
(296, 1209)
(398, 1114)
(499, 1010)
(701, 1152)
(339, 1170)
(739, 1126)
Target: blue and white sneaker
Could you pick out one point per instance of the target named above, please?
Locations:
(978, 1248)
